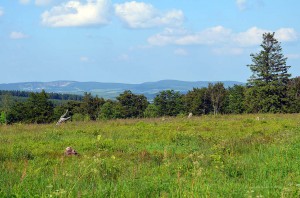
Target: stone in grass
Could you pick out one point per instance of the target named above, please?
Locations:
(70, 151)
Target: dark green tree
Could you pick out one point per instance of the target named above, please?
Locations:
(151, 111)
(39, 109)
(133, 106)
(235, 99)
(169, 103)
(6, 102)
(294, 95)
(17, 113)
(197, 101)
(74, 107)
(111, 110)
(91, 105)
(268, 84)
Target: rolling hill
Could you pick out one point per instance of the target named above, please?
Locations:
(110, 90)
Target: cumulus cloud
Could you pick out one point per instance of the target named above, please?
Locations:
(219, 35)
(286, 34)
(17, 35)
(1, 11)
(208, 36)
(142, 15)
(252, 36)
(74, 13)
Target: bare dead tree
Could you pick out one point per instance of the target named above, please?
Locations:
(63, 119)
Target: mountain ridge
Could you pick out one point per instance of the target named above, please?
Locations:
(111, 90)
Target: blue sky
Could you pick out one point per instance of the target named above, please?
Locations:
(141, 41)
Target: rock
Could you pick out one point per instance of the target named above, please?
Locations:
(70, 151)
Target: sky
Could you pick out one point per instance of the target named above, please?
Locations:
(141, 41)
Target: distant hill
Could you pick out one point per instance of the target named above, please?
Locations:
(110, 90)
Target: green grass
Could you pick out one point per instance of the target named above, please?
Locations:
(222, 156)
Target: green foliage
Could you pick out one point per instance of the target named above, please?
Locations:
(3, 118)
(217, 94)
(133, 106)
(268, 92)
(151, 111)
(197, 101)
(91, 105)
(235, 99)
(16, 113)
(37, 109)
(80, 117)
(6, 102)
(294, 95)
(169, 103)
(110, 110)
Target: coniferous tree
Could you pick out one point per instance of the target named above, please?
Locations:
(294, 95)
(268, 85)
(39, 109)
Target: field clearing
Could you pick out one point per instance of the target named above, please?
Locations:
(208, 156)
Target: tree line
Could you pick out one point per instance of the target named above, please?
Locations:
(269, 90)
(54, 96)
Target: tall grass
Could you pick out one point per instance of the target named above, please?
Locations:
(208, 156)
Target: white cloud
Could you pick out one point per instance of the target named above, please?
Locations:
(142, 15)
(1, 11)
(42, 2)
(74, 13)
(181, 52)
(252, 36)
(219, 35)
(208, 36)
(17, 35)
(24, 1)
(286, 34)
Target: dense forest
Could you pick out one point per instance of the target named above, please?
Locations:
(269, 90)
(53, 96)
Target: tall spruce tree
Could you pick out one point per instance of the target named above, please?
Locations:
(268, 85)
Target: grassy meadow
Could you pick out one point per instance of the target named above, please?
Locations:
(208, 156)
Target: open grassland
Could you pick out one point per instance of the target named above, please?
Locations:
(222, 156)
